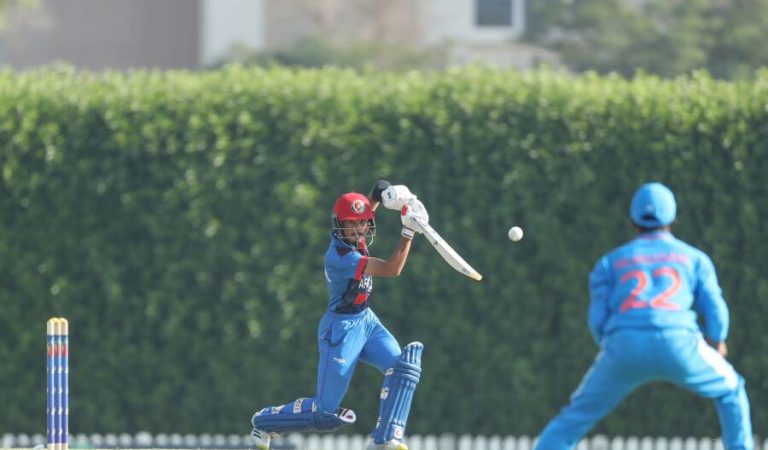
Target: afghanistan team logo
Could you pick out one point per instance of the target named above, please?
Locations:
(358, 206)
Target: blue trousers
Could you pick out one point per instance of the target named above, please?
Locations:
(343, 340)
(631, 358)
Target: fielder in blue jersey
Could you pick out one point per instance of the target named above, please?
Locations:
(350, 332)
(645, 298)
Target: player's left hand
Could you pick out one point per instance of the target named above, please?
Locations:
(395, 197)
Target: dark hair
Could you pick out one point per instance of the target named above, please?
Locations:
(641, 229)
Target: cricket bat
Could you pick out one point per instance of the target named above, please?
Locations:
(447, 252)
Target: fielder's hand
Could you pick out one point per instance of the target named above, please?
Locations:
(720, 346)
(395, 197)
(410, 215)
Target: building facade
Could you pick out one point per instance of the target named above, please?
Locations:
(123, 34)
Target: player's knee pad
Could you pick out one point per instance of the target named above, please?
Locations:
(397, 394)
(301, 415)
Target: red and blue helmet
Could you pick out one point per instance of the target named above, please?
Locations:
(653, 206)
(353, 206)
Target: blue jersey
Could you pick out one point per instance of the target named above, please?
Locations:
(646, 298)
(348, 287)
(656, 281)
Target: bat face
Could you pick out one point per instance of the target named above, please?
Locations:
(448, 253)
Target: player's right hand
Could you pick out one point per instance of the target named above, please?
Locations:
(395, 197)
(719, 346)
(412, 213)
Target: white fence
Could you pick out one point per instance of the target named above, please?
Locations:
(298, 441)
(450, 442)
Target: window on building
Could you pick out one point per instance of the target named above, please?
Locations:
(494, 13)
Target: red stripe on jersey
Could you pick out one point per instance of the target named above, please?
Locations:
(361, 267)
(361, 298)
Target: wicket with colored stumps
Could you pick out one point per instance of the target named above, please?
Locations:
(57, 386)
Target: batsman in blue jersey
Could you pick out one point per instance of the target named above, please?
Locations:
(645, 298)
(350, 332)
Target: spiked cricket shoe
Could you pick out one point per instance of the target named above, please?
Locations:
(392, 444)
(262, 439)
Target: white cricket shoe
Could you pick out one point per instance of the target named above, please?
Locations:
(392, 444)
(262, 439)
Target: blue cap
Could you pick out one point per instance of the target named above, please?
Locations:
(653, 206)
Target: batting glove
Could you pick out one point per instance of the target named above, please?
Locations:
(395, 197)
(411, 214)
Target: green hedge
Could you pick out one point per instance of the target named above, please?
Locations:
(178, 220)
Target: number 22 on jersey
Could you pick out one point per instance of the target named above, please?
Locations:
(660, 300)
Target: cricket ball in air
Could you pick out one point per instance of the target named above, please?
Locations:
(515, 233)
